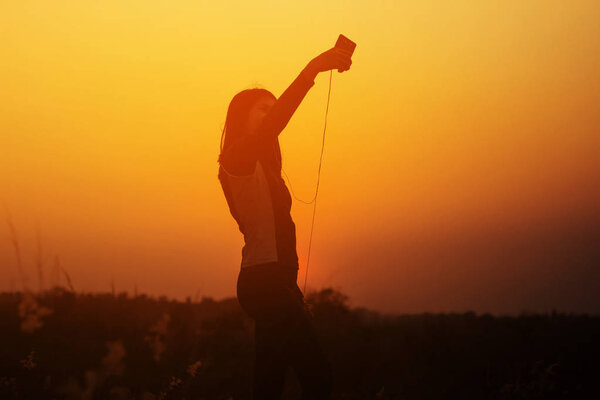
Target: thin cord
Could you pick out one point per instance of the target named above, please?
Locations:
(317, 189)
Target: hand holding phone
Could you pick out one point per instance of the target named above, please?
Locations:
(345, 45)
(338, 57)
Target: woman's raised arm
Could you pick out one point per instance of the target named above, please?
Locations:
(281, 112)
(246, 147)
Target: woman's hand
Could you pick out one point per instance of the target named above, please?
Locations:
(334, 58)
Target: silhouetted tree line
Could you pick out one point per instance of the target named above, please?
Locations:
(61, 345)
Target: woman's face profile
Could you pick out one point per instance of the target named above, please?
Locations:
(258, 112)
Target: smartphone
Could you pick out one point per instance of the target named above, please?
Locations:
(345, 44)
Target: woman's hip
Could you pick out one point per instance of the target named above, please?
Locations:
(269, 291)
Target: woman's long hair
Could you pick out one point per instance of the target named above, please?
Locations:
(237, 115)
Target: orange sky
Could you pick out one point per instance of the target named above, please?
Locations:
(461, 162)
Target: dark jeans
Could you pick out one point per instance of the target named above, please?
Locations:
(284, 334)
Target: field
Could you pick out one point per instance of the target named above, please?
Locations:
(60, 344)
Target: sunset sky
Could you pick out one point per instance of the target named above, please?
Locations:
(461, 168)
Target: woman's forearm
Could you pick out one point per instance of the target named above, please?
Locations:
(310, 71)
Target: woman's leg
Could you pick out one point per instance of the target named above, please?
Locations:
(259, 293)
(270, 364)
(307, 358)
(284, 335)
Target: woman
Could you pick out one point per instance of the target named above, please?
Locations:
(259, 201)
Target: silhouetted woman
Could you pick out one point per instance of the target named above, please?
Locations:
(259, 201)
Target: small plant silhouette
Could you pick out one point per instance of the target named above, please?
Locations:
(112, 363)
(31, 313)
(193, 368)
(157, 335)
(28, 362)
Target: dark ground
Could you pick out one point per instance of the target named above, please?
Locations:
(65, 345)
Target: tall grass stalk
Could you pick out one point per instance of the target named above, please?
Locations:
(39, 259)
(15, 242)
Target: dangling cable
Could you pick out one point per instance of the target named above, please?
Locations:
(317, 189)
